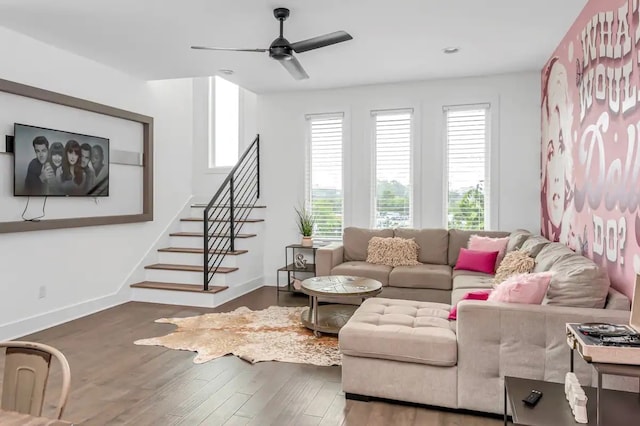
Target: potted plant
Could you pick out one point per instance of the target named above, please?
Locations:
(305, 226)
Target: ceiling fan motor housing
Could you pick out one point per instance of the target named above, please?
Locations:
(280, 49)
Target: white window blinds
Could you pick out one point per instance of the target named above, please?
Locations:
(467, 167)
(324, 175)
(393, 186)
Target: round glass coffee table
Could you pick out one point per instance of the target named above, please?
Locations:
(330, 318)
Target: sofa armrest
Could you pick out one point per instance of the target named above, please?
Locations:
(499, 339)
(617, 300)
(328, 257)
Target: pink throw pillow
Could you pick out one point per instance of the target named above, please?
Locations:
(522, 288)
(480, 243)
(474, 295)
(479, 261)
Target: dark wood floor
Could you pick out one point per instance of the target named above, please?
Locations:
(115, 382)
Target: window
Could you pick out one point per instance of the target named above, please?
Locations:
(468, 189)
(324, 175)
(393, 187)
(223, 141)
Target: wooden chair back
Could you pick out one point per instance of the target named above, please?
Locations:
(26, 371)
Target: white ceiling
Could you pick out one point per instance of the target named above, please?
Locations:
(393, 41)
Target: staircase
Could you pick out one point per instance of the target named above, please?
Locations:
(207, 269)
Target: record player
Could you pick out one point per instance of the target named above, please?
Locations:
(609, 343)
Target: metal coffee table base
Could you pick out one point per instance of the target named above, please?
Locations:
(326, 318)
(330, 318)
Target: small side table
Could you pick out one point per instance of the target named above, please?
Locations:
(290, 268)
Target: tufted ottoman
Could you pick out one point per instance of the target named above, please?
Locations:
(402, 350)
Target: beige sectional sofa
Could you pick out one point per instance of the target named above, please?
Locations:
(422, 357)
(432, 280)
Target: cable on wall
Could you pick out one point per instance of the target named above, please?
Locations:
(37, 218)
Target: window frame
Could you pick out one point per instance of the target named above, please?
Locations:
(491, 159)
(211, 127)
(309, 117)
(414, 165)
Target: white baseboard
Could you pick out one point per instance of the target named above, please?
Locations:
(50, 319)
(40, 322)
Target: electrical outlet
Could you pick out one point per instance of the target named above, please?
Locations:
(42, 292)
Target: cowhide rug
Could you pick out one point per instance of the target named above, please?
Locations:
(273, 334)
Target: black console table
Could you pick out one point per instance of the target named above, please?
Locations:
(617, 408)
(605, 407)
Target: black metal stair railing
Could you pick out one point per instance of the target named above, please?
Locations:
(230, 206)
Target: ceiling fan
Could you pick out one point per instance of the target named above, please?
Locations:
(282, 51)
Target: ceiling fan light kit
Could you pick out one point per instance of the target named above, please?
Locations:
(282, 51)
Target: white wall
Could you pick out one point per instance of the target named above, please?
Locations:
(515, 100)
(84, 269)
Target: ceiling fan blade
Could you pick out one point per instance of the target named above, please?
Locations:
(230, 49)
(295, 69)
(320, 41)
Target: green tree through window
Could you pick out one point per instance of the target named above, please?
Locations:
(328, 215)
(466, 211)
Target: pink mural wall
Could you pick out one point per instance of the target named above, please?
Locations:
(591, 139)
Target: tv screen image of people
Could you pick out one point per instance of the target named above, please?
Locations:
(50, 162)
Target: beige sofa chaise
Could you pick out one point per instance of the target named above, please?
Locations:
(419, 356)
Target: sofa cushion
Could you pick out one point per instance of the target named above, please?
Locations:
(522, 288)
(364, 269)
(392, 251)
(516, 239)
(433, 243)
(550, 254)
(401, 330)
(477, 242)
(479, 261)
(459, 239)
(534, 244)
(515, 262)
(356, 241)
(472, 281)
(421, 276)
(578, 282)
(472, 295)
(461, 272)
(458, 295)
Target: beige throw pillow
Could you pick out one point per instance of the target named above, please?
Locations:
(515, 262)
(392, 251)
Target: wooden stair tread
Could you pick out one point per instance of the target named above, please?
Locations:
(242, 206)
(188, 268)
(199, 219)
(193, 288)
(201, 234)
(200, 251)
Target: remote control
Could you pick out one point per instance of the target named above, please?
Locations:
(532, 399)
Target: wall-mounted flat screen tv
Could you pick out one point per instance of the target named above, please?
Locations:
(50, 162)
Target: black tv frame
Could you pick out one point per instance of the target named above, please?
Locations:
(11, 140)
